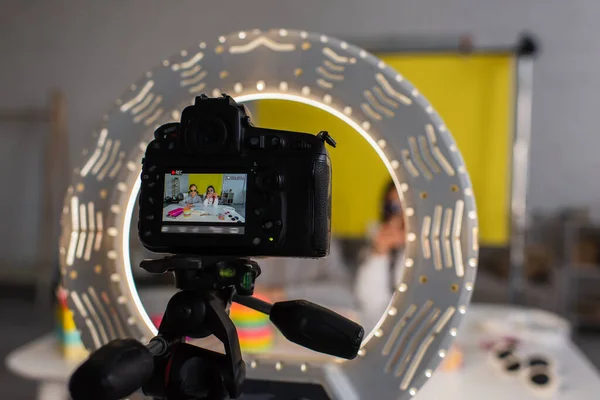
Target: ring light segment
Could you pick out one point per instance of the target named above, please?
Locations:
(418, 327)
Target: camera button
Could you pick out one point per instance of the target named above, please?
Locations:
(152, 168)
(151, 200)
(150, 217)
(259, 211)
(254, 142)
(151, 184)
(278, 223)
(268, 225)
(274, 141)
(256, 241)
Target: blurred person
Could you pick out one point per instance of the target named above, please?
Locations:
(193, 197)
(211, 198)
(378, 275)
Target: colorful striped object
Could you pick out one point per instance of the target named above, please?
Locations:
(254, 329)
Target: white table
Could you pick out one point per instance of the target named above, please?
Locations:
(202, 213)
(40, 360)
(480, 379)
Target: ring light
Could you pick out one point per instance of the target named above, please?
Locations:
(414, 333)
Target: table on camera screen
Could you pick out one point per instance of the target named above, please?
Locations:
(202, 213)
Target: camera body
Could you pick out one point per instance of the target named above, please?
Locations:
(250, 191)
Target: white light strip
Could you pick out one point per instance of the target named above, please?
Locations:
(383, 98)
(192, 61)
(100, 227)
(190, 72)
(139, 96)
(126, 264)
(194, 80)
(431, 134)
(72, 246)
(456, 243)
(115, 315)
(104, 314)
(324, 84)
(329, 75)
(416, 156)
(407, 334)
(105, 153)
(412, 345)
(92, 311)
(446, 232)
(75, 213)
(408, 164)
(118, 165)
(195, 89)
(98, 243)
(335, 57)
(111, 160)
(88, 246)
(143, 104)
(334, 67)
(376, 105)
(93, 333)
(88, 322)
(475, 234)
(90, 212)
(262, 41)
(81, 244)
(102, 138)
(425, 242)
(149, 110)
(435, 238)
(152, 119)
(410, 311)
(88, 165)
(92, 228)
(425, 346)
(391, 91)
(78, 305)
(99, 223)
(426, 151)
(370, 112)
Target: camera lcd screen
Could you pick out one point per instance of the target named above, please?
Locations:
(204, 203)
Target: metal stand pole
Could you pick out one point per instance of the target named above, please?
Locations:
(520, 169)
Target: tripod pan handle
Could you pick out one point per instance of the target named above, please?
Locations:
(317, 328)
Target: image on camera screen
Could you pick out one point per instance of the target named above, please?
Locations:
(204, 203)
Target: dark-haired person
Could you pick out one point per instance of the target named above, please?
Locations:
(193, 197)
(382, 269)
(211, 198)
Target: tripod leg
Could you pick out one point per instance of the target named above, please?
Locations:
(221, 326)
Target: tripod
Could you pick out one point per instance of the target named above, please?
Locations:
(169, 368)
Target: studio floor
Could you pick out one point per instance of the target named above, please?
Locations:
(22, 322)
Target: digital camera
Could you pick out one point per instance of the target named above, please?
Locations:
(215, 185)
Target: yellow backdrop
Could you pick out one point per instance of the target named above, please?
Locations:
(473, 94)
(202, 181)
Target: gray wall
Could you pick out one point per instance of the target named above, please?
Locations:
(94, 51)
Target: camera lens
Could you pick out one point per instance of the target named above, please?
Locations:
(206, 135)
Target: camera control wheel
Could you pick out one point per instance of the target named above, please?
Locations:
(269, 181)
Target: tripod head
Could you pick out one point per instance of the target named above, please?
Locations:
(182, 371)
